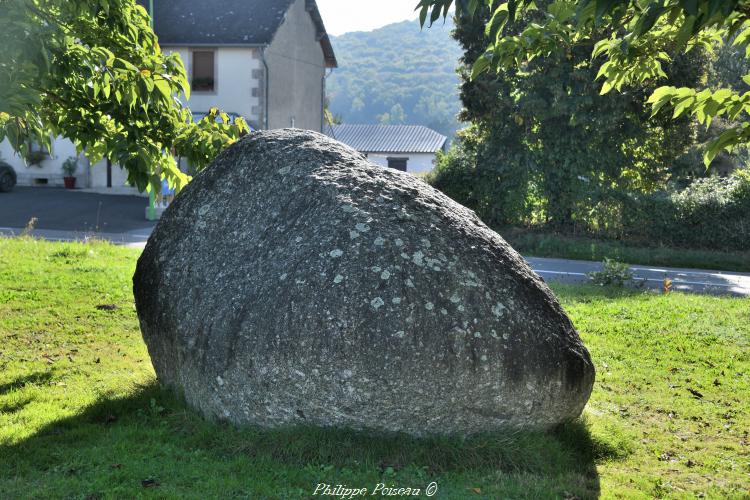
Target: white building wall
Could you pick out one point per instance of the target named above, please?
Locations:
(88, 176)
(240, 80)
(237, 91)
(50, 169)
(418, 163)
(239, 71)
(98, 180)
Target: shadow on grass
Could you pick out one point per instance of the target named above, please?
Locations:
(36, 378)
(586, 293)
(153, 422)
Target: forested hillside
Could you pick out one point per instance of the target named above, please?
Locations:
(397, 74)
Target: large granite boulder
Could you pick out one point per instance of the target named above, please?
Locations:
(294, 282)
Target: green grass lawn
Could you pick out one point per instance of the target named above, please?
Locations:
(536, 244)
(81, 415)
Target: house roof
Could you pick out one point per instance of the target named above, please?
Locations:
(388, 138)
(229, 22)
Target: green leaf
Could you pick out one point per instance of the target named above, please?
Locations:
(425, 9)
(562, 10)
(660, 94)
(497, 21)
(724, 141)
(601, 47)
(480, 66)
(603, 70)
(125, 65)
(473, 5)
(603, 7)
(106, 85)
(164, 89)
(686, 31)
(683, 105)
(722, 95)
(435, 14)
(648, 19)
(742, 39)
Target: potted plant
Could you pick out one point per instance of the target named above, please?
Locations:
(69, 168)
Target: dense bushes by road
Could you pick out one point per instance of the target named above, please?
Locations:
(710, 213)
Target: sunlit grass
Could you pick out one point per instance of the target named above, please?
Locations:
(81, 413)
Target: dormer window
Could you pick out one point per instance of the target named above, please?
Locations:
(204, 71)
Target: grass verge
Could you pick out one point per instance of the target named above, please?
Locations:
(81, 415)
(564, 247)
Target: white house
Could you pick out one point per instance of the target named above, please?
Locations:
(264, 60)
(411, 148)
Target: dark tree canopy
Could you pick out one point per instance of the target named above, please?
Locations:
(546, 127)
(634, 40)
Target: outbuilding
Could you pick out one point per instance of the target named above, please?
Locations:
(410, 148)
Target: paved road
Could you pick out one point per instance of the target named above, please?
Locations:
(562, 270)
(72, 210)
(66, 215)
(689, 280)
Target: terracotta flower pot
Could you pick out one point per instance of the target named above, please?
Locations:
(70, 182)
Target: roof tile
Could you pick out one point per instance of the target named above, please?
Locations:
(227, 22)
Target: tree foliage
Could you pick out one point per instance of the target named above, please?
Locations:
(545, 132)
(642, 36)
(93, 72)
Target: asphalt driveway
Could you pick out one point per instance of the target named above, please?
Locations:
(60, 211)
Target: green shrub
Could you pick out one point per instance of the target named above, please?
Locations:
(613, 273)
(70, 166)
(455, 175)
(710, 213)
(483, 179)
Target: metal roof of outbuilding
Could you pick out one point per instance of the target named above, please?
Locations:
(388, 138)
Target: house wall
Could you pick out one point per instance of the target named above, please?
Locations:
(87, 176)
(50, 169)
(418, 163)
(239, 78)
(296, 67)
(98, 180)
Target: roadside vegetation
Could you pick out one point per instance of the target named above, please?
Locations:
(81, 415)
(543, 244)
